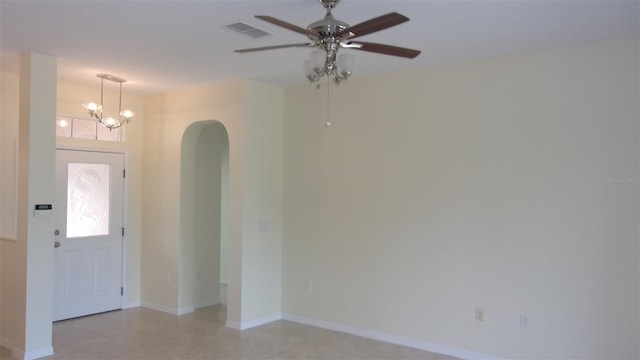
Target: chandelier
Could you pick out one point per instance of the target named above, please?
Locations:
(95, 110)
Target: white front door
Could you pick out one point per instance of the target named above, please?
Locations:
(89, 228)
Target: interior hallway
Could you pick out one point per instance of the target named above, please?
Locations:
(141, 333)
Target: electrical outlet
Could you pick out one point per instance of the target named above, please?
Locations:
(479, 314)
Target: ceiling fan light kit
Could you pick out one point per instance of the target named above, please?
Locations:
(328, 35)
(318, 66)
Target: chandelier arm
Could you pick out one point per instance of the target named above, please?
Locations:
(110, 127)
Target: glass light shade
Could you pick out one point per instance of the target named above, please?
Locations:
(345, 63)
(318, 58)
(127, 114)
(93, 107)
(63, 123)
(308, 67)
(110, 122)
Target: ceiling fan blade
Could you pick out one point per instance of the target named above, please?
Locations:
(273, 47)
(286, 25)
(372, 25)
(384, 49)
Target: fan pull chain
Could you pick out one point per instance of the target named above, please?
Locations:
(328, 123)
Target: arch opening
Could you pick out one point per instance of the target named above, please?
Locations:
(204, 225)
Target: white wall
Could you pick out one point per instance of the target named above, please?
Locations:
(254, 193)
(262, 226)
(26, 253)
(509, 184)
(68, 102)
(169, 116)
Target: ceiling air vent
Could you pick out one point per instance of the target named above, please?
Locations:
(248, 30)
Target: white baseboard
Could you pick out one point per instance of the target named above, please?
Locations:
(233, 325)
(34, 354)
(130, 305)
(167, 309)
(21, 354)
(205, 303)
(185, 310)
(393, 339)
(252, 323)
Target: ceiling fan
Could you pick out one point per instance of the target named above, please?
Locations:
(329, 34)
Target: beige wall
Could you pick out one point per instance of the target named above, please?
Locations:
(167, 276)
(26, 254)
(11, 287)
(509, 184)
(262, 204)
(68, 102)
(9, 98)
(170, 115)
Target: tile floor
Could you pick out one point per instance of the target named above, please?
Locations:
(141, 333)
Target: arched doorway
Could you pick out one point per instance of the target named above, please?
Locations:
(204, 207)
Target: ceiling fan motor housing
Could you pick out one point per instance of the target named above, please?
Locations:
(329, 4)
(326, 28)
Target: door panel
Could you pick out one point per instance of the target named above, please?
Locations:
(88, 260)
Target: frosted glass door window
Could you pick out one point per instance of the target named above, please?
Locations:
(88, 199)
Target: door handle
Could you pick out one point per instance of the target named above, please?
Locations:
(56, 244)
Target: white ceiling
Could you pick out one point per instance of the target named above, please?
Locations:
(164, 45)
